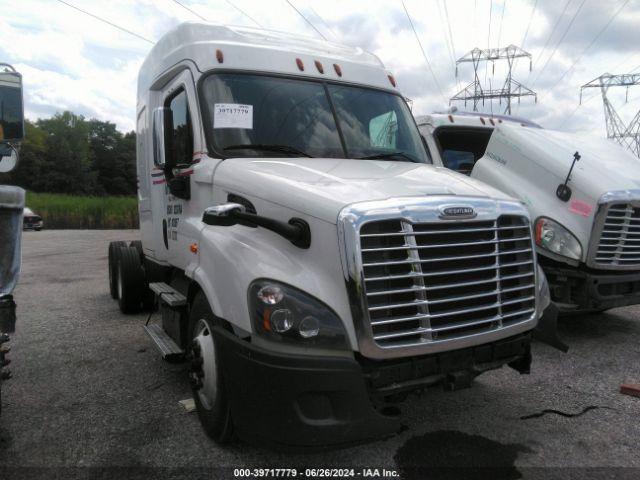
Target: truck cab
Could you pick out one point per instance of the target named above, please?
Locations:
(309, 260)
(582, 192)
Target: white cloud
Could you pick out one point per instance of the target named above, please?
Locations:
(71, 61)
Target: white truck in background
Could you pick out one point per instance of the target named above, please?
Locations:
(582, 192)
(308, 261)
(11, 206)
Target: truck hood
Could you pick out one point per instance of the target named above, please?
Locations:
(322, 187)
(604, 165)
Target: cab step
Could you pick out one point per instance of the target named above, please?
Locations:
(168, 295)
(169, 350)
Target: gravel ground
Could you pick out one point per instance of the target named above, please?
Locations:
(89, 390)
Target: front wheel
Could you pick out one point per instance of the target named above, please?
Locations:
(206, 370)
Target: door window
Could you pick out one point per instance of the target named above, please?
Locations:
(182, 127)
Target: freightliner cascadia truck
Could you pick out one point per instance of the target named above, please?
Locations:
(309, 262)
(11, 207)
(583, 193)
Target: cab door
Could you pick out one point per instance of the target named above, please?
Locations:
(172, 232)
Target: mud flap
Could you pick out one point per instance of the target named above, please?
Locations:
(547, 329)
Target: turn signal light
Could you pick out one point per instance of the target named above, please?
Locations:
(300, 64)
(219, 56)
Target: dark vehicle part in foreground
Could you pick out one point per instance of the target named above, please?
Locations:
(11, 206)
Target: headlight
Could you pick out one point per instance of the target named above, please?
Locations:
(553, 237)
(285, 314)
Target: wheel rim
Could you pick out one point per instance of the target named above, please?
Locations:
(204, 367)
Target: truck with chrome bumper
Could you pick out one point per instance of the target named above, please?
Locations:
(308, 261)
(421, 316)
(583, 194)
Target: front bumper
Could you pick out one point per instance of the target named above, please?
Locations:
(584, 289)
(282, 400)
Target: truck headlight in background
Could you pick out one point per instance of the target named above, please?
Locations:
(285, 314)
(555, 238)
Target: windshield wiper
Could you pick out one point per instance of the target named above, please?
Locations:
(389, 155)
(269, 148)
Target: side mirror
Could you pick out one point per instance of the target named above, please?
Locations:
(8, 157)
(163, 148)
(11, 105)
(223, 215)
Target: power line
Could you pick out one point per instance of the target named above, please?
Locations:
(475, 22)
(526, 33)
(306, 20)
(486, 66)
(190, 10)
(546, 44)
(524, 39)
(446, 38)
(595, 39)
(107, 22)
(504, 6)
(446, 14)
(453, 47)
(244, 13)
(490, 15)
(424, 54)
(555, 49)
(327, 26)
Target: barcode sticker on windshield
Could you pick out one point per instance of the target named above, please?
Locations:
(232, 115)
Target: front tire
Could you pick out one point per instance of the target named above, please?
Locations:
(208, 387)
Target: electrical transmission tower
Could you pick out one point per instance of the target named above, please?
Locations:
(510, 89)
(626, 135)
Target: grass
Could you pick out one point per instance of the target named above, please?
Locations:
(74, 212)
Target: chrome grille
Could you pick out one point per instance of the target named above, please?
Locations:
(426, 282)
(619, 241)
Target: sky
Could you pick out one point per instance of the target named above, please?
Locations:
(71, 61)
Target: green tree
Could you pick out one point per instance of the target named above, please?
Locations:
(68, 154)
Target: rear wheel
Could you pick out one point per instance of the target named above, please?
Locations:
(137, 244)
(131, 283)
(208, 387)
(113, 267)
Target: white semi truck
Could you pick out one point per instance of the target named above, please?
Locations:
(11, 206)
(308, 260)
(583, 193)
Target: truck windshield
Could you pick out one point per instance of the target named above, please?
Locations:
(252, 115)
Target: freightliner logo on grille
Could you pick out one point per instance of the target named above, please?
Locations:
(457, 212)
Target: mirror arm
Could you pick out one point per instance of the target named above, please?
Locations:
(297, 231)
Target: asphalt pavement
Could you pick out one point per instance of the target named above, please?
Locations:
(90, 390)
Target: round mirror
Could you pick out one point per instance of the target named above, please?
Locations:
(8, 158)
